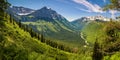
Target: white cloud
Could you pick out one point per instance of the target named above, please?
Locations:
(104, 1)
(90, 7)
(113, 12)
(84, 9)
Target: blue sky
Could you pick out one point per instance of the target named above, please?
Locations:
(70, 9)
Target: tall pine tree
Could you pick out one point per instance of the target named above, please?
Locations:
(97, 52)
(3, 6)
(114, 5)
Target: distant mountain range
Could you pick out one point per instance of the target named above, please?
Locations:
(49, 15)
(45, 13)
(49, 22)
(21, 10)
(52, 24)
(81, 22)
(98, 17)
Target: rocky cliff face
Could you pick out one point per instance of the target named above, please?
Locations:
(47, 14)
(21, 10)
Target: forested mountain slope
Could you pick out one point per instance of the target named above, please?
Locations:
(52, 25)
(17, 44)
(105, 37)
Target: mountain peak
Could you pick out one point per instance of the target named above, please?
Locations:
(20, 10)
(44, 13)
(47, 14)
(17, 7)
(92, 18)
(45, 7)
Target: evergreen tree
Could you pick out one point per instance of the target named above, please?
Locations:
(97, 52)
(111, 42)
(114, 5)
(38, 36)
(42, 38)
(20, 25)
(3, 5)
(11, 19)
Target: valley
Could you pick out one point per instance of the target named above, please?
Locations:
(52, 25)
(59, 30)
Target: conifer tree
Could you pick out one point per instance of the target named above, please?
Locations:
(20, 25)
(42, 38)
(114, 5)
(31, 32)
(3, 6)
(97, 52)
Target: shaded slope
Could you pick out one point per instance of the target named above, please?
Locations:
(93, 31)
(55, 31)
(52, 24)
(16, 44)
(21, 10)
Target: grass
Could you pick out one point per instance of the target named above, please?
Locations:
(93, 31)
(17, 44)
(57, 32)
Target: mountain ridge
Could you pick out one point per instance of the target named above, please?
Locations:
(22, 10)
(52, 24)
(83, 21)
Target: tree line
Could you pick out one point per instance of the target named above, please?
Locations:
(4, 4)
(39, 36)
(111, 43)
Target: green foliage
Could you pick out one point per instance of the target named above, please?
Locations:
(108, 39)
(115, 56)
(56, 31)
(114, 5)
(112, 39)
(108, 42)
(92, 31)
(97, 52)
(16, 43)
(3, 6)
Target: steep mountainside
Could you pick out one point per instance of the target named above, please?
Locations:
(82, 22)
(92, 31)
(52, 25)
(17, 44)
(21, 10)
(46, 14)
